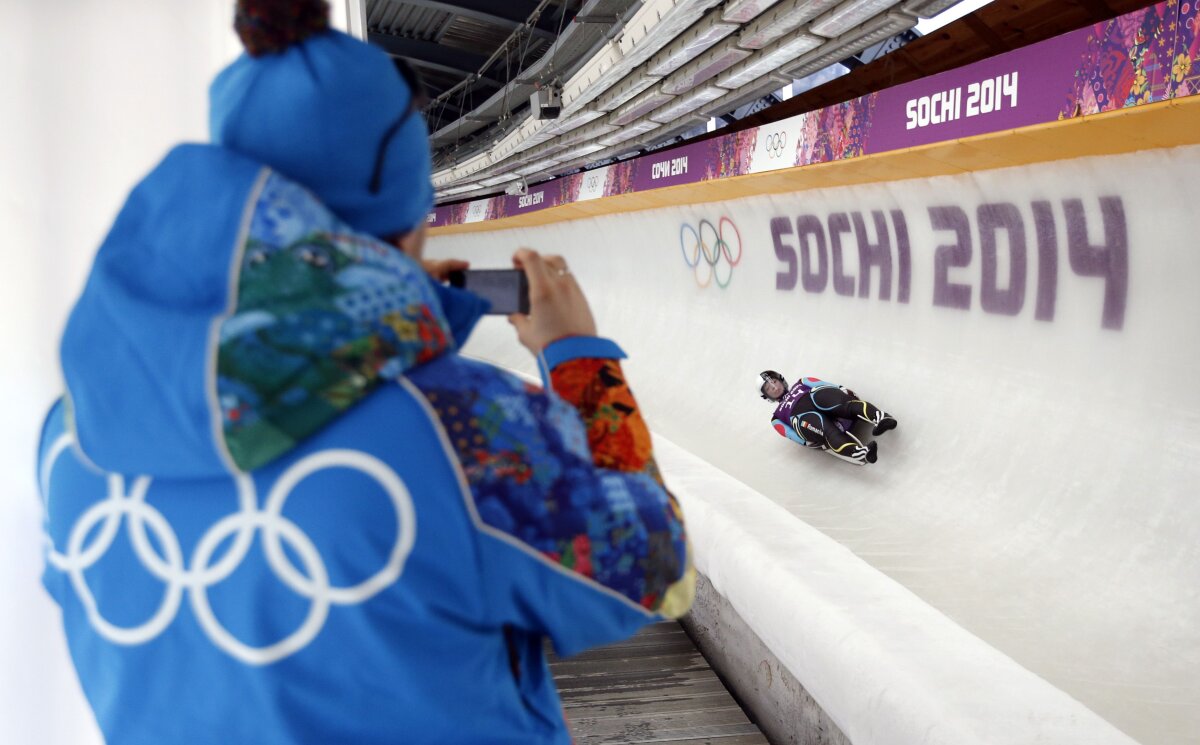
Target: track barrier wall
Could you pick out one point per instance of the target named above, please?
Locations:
(1026, 549)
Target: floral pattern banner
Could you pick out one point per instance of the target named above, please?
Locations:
(1142, 57)
(1128, 62)
(1184, 79)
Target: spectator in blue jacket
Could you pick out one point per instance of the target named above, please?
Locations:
(280, 506)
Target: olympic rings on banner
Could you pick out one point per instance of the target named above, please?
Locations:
(593, 180)
(775, 144)
(713, 243)
(167, 564)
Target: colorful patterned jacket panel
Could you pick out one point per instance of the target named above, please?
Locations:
(586, 372)
(575, 533)
(617, 435)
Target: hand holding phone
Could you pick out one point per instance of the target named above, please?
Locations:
(558, 307)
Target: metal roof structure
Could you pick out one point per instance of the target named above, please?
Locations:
(481, 59)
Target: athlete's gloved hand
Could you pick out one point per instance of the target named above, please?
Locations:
(557, 307)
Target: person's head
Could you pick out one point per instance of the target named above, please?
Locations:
(411, 243)
(771, 385)
(333, 113)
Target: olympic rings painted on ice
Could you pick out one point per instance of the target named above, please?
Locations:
(196, 576)
(775, 144)
(713, 243)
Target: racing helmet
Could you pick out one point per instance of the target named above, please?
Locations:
(768, 375)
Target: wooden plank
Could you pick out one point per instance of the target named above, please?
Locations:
(636, 733)
(652, 706)
(675, 646)
(654, 687)
(573, 668)
(663, 633)
(674, 721)
(754, 739)
(702, 683)
(645, 680)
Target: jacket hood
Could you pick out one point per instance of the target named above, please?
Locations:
(228, 315)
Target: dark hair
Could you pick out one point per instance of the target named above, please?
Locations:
(271, 26)
(412, 78)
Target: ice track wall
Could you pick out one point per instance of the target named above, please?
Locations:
(1033, 329)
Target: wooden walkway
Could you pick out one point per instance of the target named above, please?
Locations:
(652, 688)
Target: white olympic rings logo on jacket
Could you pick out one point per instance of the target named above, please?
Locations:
(130, 501)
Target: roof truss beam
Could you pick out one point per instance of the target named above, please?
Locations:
(434, 56)
(505, 13)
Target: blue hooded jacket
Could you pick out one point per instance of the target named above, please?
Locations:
(281, 508)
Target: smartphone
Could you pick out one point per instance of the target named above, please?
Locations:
(506, 289)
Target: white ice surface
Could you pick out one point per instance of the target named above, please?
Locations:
(1038, 492)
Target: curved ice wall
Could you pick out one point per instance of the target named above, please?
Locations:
(1034, 329)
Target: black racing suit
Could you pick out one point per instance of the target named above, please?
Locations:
(818, 414)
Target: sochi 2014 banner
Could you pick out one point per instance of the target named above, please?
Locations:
(1150, 55)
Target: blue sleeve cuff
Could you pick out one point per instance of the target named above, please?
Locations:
(462, 310)
(575, 348)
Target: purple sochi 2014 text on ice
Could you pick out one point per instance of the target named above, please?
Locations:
(811, 252)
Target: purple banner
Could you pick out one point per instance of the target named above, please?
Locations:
(538, 198)
(1152, 54)
(686, 164)
(1004, 92)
